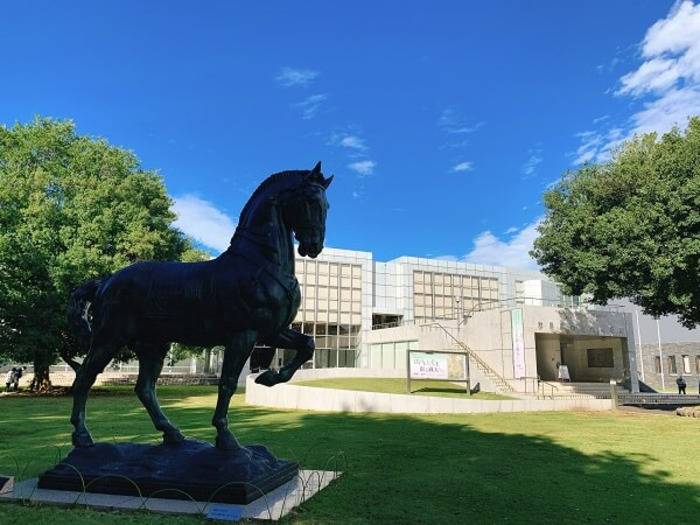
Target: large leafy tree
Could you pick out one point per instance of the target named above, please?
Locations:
(71, 208)
(630, 227)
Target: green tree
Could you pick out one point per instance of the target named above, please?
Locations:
(71, 208)
(630, 227)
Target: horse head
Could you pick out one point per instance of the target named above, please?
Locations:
(307, 210)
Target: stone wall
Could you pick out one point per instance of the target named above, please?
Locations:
(650, 359)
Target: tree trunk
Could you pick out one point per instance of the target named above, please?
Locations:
(41, 381)
(207, 361)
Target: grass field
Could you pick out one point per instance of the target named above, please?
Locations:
(564, 467)
(398, 386)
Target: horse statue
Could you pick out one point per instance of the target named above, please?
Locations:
(247, 295)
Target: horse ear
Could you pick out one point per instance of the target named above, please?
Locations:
(316, 172)
(327, 182)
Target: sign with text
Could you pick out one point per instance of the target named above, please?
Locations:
(225, 513)
(428, 366)
(516, 324)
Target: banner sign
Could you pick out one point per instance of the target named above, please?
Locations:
(516, 323)
(428, 366)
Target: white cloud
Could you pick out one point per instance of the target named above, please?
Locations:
(489, 249)
(666, 84)
(310, 106)
(363, 167)
(671, 49)
(349, 140)
(672, 109)
(591, 145)
(463, 166)
(289, 76)
(203, 222)
(353, 142)
(452, 121)
(530, 166)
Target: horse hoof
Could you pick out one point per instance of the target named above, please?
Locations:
(173, 438)
(269, 378)
(227, 443)
(82, 440)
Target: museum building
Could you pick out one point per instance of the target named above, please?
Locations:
(515, 325)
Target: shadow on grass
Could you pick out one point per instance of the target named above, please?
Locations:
(414, 469)
(411, 470)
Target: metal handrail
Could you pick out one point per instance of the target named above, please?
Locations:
(535, 380)
(541, 385)
(483, 364)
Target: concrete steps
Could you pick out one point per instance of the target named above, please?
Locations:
(659, 399)
(569, 390)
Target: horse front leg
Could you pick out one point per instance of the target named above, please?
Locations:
(151, 357)
(288, 338)
(235, 357)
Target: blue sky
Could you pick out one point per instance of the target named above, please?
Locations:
(443, 122)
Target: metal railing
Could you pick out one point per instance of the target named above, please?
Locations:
(535, 384)
(482, 365)
(541, 385)
(542, 389)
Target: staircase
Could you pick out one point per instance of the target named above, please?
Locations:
(566, 390)
(659, 399)
(496, 379)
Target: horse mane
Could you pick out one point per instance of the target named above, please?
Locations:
(272, 179)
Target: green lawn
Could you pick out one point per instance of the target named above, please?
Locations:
(564, 467)
(398, 386)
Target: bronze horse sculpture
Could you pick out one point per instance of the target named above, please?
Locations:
(247, 295)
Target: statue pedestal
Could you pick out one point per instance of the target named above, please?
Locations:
(189, 470)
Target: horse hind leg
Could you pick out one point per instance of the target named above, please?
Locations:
(151, 357)
(100, 354)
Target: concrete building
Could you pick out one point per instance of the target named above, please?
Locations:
(665, 350)
(515, 323)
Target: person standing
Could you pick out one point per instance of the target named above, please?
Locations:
(9, 378)
(17, 376)
(681, 385)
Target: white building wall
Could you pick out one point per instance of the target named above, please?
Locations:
(388, 288)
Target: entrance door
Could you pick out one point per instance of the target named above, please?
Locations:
(566, 351)
(548, 352)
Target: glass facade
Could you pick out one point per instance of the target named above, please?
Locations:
(390, 355)
(345, 293)
(451, 296)
(331, 310)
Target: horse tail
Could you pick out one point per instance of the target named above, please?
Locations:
(78, 305)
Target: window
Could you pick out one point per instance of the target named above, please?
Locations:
(657, 364)
(600, 358)
(697, 364)
(686, 364)
(672, 368)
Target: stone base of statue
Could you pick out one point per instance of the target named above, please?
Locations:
(190, 470)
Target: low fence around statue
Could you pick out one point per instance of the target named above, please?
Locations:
(295, 397)
(120, 378)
